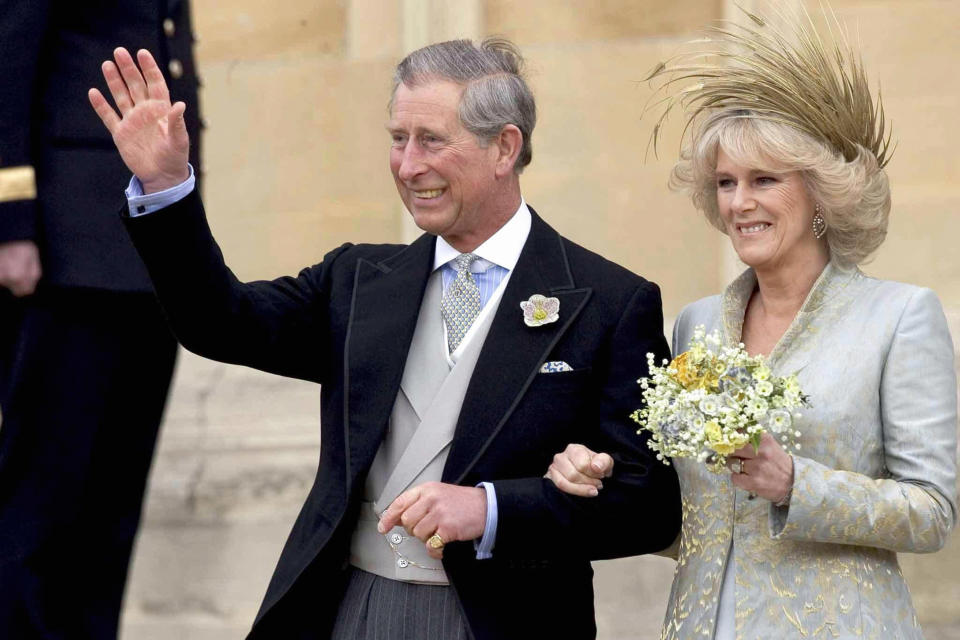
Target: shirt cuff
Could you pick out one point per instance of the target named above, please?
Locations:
(141, 204)
(484, 547)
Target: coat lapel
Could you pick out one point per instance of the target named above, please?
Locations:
(383, 315)
(513, 352)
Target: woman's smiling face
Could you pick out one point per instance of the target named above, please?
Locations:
(768, 214)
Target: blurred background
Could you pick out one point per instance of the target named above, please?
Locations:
(294, 96)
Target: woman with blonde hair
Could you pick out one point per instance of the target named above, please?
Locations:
(787, 157)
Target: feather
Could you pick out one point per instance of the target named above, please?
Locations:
(792, 74)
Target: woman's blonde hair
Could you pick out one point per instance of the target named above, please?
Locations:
(854, 195)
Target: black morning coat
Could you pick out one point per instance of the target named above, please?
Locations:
(347, 324)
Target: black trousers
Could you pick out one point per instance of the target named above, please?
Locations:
(84, 376)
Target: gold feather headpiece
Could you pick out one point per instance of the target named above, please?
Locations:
(787, 75)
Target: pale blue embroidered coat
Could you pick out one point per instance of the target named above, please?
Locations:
(876, 474)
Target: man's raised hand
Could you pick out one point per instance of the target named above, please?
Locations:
(149, 132)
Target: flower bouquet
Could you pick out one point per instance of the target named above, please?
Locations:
(711, 400)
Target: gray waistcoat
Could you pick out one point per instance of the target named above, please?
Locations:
(415, 447)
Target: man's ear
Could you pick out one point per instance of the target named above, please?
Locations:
(508, 143)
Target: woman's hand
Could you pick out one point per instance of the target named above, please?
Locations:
(578, 470)
(766, 472)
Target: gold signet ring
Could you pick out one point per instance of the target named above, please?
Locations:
(435, 542)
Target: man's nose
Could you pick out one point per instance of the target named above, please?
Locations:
(411, 162)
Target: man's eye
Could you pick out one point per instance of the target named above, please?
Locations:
(398, 139)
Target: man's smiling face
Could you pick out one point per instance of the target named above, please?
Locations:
(445, 177)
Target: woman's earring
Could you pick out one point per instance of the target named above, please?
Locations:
(819, 224)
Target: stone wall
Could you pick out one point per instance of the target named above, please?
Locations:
(295, 97)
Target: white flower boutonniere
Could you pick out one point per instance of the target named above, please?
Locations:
(540, 310)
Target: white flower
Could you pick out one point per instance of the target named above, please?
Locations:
(765, 388)
(540, 310)
(757, 406)
(779, 420)
(709, 405)
(762, 373)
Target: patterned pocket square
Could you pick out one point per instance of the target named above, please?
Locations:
(555, 366)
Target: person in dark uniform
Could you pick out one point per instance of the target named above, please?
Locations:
(85, 353)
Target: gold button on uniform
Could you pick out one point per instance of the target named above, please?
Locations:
(169, 27)
(176, 69)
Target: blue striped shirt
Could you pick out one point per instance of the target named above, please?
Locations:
(487, 275)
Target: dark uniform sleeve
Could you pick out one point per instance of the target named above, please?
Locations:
(23, 24)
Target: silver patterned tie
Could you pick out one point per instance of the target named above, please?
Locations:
(461, 303)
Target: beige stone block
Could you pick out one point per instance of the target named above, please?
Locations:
(592, 178)
(908, 47)
(237, 445)
(250, 30)
(543, 21)
(429, 21)
(374, 29)
(921, 244)
(927, 137)
(297, 160)
(199, 582)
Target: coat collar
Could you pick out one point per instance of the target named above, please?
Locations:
(832, 279)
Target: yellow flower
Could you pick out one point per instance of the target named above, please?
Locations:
(723, 448)
(723, 444)
(712, 430)
(686, 371)
(709, 381)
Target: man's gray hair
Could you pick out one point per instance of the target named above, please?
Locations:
(494, 95)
